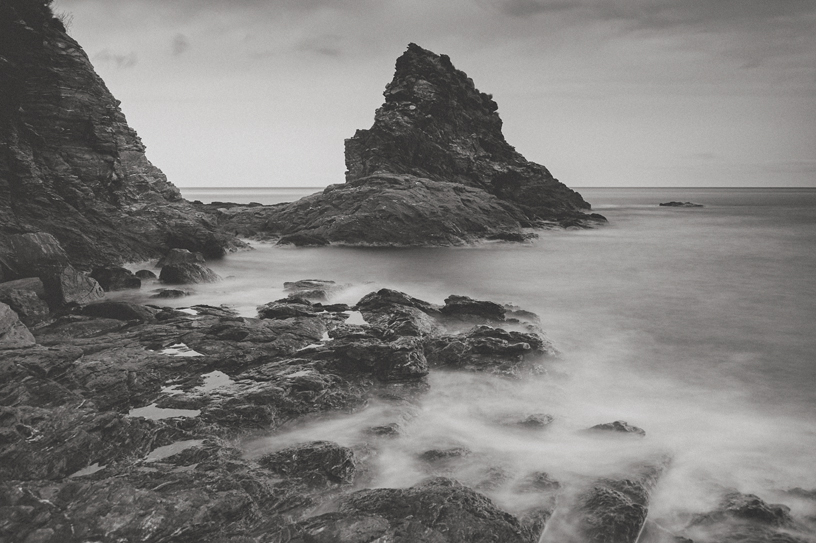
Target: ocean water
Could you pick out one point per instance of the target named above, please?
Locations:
(696, 324)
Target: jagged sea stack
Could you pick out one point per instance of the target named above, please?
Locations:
(434, 169)
(70, 166)
(435, 124)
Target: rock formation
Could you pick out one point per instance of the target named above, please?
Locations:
(434, 169)
(69, 163)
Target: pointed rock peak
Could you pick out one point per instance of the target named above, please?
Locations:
(432, 85)
(436, 124)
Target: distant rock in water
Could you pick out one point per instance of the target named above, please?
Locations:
(69, 163)
(434, 169)
(680, 204)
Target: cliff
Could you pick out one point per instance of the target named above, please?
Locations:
(69, 163)
(434, 169)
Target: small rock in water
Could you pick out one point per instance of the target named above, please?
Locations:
(170, 293)
(680, 204)
(436, 455)
(619, 426)
(116, 278)
(145, 275)
(536, 420)
(187, 272)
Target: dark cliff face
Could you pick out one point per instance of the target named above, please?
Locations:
(69, 163)
(435, 124)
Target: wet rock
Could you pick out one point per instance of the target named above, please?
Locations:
(311, 289)
(536, 421)
(114, 278)
(438, 455)
(400, 360)
(170, 293)
(146, 275)
(186, 273)
(746, 518)
(13, 333)
(287, 309)
(489, 349)
(341, 528)
(27, 298)
(303, 239)
(748, 507)
(71, 287)
(437, 511)
(318, 462)
(538, 481)
(386, 430)
(608, 509)
(680, 204)
(399, 314)
(462, 307)
(619, 426)
(123, 311)
(180, 256)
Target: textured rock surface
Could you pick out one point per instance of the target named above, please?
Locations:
(188, 272)
(435, 124)
(69, 163)
(434, 169)
(13, 333)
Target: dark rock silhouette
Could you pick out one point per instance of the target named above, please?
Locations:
(69, 163)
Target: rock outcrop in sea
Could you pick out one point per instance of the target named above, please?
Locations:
(70, 165)
(434, 169)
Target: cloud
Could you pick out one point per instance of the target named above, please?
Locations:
(180, 44)
(326, 45)
(122, 61)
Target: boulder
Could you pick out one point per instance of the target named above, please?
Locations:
(27, 298)
(146, 275)
(13, 333)
(186, 273)
(462, 307)
(180, 256)
(395, 361)
(71, 287)
(287, 308)
(607, 509)
(494, 350)
(116, 278)
(318, 462)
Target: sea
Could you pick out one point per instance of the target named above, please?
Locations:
(697, 325)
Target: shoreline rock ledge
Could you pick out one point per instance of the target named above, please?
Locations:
(434, 169)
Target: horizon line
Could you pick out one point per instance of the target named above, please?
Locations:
(575, 187)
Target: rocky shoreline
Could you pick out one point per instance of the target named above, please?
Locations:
(124, 421)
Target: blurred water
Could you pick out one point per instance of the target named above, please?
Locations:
(696, 324)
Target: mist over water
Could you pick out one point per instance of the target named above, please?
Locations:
(695, 324)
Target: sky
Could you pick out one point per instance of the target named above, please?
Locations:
(636, 93)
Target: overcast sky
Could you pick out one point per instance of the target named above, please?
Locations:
(604, 93)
